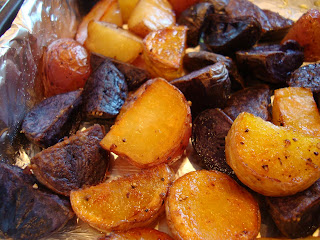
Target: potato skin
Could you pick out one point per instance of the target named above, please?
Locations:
(272, 160)
(66, 67)
(205, 204)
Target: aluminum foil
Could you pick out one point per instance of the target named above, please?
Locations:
(37, 24)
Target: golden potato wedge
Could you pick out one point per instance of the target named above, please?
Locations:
(272, 160)
(95, 13)
(127, 202)
(153, 127)
(126, 7)
(163, 52)
(111, 41)
(211, 205)
(151, 15)
(295, 108)
(138, 233)
(113, 14)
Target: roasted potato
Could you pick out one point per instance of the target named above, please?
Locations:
(154, 125)
(272, 160)
(113, 14)
(151, 15)
(126, 7)
(138, 233)
(211, 205)
(121, 44)
(180, 5)
(65, 67)
(164, 50)
(295, 108)
(127, 202)
(306, 31)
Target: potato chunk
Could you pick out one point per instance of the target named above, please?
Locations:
(295, 108)
(272, 160)
(154, 125)
(211, 205)
(111, 41)
(164, 51)
(126, 7)
(151, 15)
(127, 202)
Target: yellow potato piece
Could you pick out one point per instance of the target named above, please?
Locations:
(211, 205)
(111, 41)
(272, 160)
(153, 127)
(151, 15)
(113, 14)
(295, 108)
(128, 202)
(126, 7)
(164, 50)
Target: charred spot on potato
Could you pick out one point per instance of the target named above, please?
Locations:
(254, 100)
(271, 63)
(205, 88)
(208, 139)
(224, 35)
(26, 212)
(73, 163)
(193, 18)
(296, 216)
(105, 92)
(51, 119)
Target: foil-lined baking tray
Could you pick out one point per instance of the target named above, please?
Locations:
(37, 24)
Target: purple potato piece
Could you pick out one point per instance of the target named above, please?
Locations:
(27, 212)
(134, 76)
(51, 119)
(193, 18)
(193, 61)
(225, 35)
(105, 92)
(206, 88)
(273, 25)
(254, 100)
(297, 215)
(271, 63)
(307, 76)
(208, 139)
(74, 163)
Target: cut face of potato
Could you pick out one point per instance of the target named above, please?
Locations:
(295, 108)
(164, 50)
(211, 205)
(111, 41)
(151, 15)
(126, 7)
(154, 125)
(95, 13)
(127, 202)
(272, 160)
(138, 233)
(113, 14)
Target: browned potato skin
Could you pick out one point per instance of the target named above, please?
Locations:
(272, 160)
(138, 233)
(211, 205)
(111, 141)
(66, 67)
(128, 202)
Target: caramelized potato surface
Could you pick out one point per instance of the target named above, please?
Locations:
(111, 41)
(138, 234)
(306, 31)
(151, 15)
(272, 160)
(154, 125)
(127, 202)
(211, 205)
(164, 50)
(295, 108)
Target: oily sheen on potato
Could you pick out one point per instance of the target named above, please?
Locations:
(127, 202)
(272, 160)
(153, 127)
(211, 205)
(295, 108)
